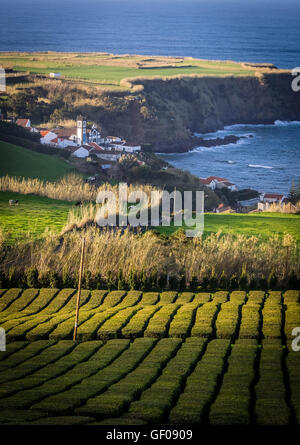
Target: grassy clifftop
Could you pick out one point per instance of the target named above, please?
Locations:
(147, 100)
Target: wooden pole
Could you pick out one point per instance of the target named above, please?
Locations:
(79, 288)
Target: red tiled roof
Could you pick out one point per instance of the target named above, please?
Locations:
(64, 132)
(22, 122)
(55, 140)
(216, 178)
(96, 146)
(213, 178)
(43, 133)
(273, 196)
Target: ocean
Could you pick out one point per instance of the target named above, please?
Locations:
(254, 31)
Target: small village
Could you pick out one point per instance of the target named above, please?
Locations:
(87, 145)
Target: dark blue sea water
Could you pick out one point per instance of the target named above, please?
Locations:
(240, 30)
(268, 161)
(251, 30)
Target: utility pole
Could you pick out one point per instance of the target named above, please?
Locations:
(79, 288)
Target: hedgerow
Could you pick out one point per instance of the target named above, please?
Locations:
(149, 298)
(48, 355)
(96, 300)
(88, 329)
(69, 400)
(117, 398)
(65, 329)
(250, 322)
(8, 298)
(182, 322)
(98, 360)
(70, 306)
(232, 405)
(227, 320)
(27, 296)
(12, 348)
(200, 386)
(60, 300)
(272, 316)
(185, 297)
(220, 296)
(293, 368)
(113, 298)
(204, 320)
(132, 298)
(271, 407)
(45, 326)
(80, 353)
(159, 323)
(137, 324)
(168, 297)
(113, 326)
(201, 298)
(157, 401)
(30, 350)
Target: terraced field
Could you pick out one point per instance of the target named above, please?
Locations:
(169, 358)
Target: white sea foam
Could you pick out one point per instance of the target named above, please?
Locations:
(259, 166)
(286, 123)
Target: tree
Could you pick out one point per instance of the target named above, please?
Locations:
(32, 277)
(293, 194)
(57, 116)
(121, 280)
(272, 280)
(223, 282)
(244, 280)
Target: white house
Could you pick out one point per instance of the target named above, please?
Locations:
(80, 152)
(214, 182)
(272, 197)
(55, 75)
(126, 148)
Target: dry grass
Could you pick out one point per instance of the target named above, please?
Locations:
(284, 208)
(111, 251)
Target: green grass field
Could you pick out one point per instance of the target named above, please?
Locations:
(262, 225)
(110, 70)
(19, 161)
(33, 214)
(218, 359)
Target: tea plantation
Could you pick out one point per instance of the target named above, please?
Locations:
(149, 358)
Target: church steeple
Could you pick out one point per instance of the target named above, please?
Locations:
(81, 130)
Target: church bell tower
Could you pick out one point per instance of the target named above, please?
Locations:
(81, 130)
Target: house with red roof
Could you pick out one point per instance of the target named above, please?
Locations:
(214, 182)
(25, 123)
(272, 197)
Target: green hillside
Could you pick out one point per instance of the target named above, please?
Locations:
(19, 161)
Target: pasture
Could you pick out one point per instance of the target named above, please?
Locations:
(109, 69)
(21, 162)
(149, 358)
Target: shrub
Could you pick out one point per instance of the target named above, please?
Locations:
(162, 281)
(54, 281)
(194, 284)
(223, 282)
(272, 281)
(66, 278)
(32, 277)
(233, 282)
(243, 280)
(111, 281)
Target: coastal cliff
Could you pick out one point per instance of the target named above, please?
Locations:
(168, 111)
(161, 113)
